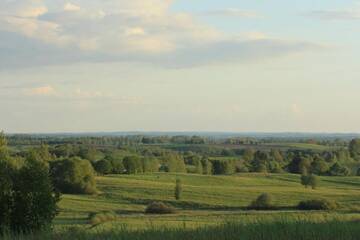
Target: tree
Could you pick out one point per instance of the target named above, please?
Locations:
(339, 170)
(309, 180)
(73, 176)
(206, 166)
(34, 198)
(299, 164)
(223, 167)
(304, 179)
(27, 197)
(39, 154)
(354, 148)
(319, 166)
(103, 167)
(6, 192)
(198, 166)
(133, 165)
(4, 153)
(248, 154)
(150, 164)
(314, 181)
(358, 172)
(264, 201)
(174, 163)
(178, 189)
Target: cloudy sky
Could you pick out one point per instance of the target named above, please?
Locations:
(179, 65)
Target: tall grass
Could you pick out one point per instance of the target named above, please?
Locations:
(281, 230)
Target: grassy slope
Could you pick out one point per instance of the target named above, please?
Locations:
(207, 199)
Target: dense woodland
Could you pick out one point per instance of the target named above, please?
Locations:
(37, 169)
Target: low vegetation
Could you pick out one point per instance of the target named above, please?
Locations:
(322, 204)
(159, 208)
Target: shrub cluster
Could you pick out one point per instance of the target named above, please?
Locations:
(159, 208)
(321, 204)
(98, 218)
(73, 176)
(263, 202)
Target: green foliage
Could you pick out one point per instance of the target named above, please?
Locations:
(150, 164)
(41, 154)
(103, 167)
(223, 167)
(206, 166)
(263, 202)
(159, 208)
(299, 164)
(178, 189)
(310, 180)
(133, 165)
(27, 198)
(338, 170)
(73, 176)
(354, 148)
(314, 181)
(358, 172)
(321, 204)
(4, 153)
(88, 153)
(319, 166)
(174, 163)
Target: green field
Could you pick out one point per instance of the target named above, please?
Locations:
(207, 200)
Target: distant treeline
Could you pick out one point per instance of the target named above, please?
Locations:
(25, 139)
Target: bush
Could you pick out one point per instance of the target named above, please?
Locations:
(103, 167)
(159, 208)
(263, 202)
(73, 176)
(322, 204)
(98, 218)
(178, 189)
(339, 170)
(310, 180)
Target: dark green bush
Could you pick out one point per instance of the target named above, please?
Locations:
(73, 176)
(159, 208)
(103, 167)
(263, 202)
(320, 204)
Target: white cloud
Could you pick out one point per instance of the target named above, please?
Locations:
(336, 14)
(296, 109)
(71, 7)
(122, 30)
(32, 12)
(233, 12)
(40, 91)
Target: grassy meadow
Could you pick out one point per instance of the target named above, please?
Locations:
(206, 200)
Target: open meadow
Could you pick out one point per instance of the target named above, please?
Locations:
(206, 200)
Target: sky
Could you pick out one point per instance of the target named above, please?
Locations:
(179, 65)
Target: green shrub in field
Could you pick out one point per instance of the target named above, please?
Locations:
(339, 170)
(178, 189)
(98, 218)
(73, 176)
(310, 180)
(103, 167)
(159, 208)
(263, 202)
(321, 204)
